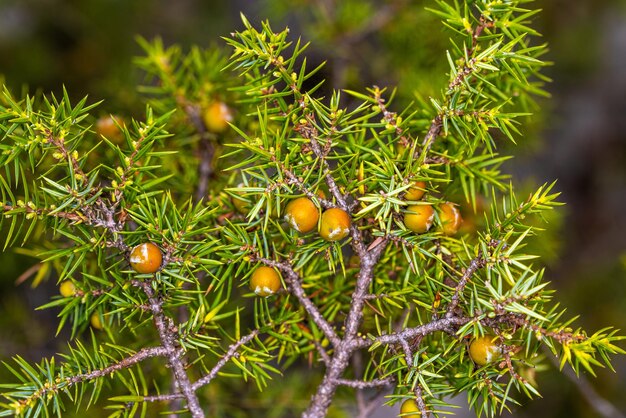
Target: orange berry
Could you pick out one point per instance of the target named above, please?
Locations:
(450, 218)
(483, 350)
(335, 224)
(302, 214)
(67, 289)
(216, 117)
(409, 409)
(146, 258)
(416, 191)
(265, 281)
(419, 218)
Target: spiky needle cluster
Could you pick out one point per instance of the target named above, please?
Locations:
(385, 308)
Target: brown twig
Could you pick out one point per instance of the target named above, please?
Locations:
(443, 324)
(462, 73)
(73, 217)
(390, 117)
(127, 362)
(433, 132)
(27, 273)
(63, 384)
(344, 347)
(293, 280)
(233, 351)
(168, 335)
(364, 384)
(421, 405)
(474, 265)
(292, 179)
(70, 157)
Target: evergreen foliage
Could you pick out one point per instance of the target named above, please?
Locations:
(384, 308)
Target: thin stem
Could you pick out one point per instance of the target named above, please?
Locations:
(462, 73)
(233, 351)
(166, 397)
(55, 386)
(433, 132)
(475, 264)
(419, 399)
(343, 351)
(390, 117)
(295, 287)
(168, 336)
(70, 216)
(361, 384)
(443, 324)
(322, 352)
(125, 363)
(59, 144)
(310, 132)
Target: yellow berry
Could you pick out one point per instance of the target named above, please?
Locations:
(265, 281)
(335, 224)
(409, 409)
(483, 350)
(450, 218)
(67, 289)
(107, 126)
(95, 321)
(146, 258)
(419, 218)
(416, 191)
(216, 117)
(302, 214)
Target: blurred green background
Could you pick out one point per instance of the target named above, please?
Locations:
(577, 137)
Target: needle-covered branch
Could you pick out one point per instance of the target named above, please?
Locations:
(61, 381)
(359, 384)
(169, 338)
(389, 273)
(232, 351)
(294, 282)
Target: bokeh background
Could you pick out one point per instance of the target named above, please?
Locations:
(577, 136)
